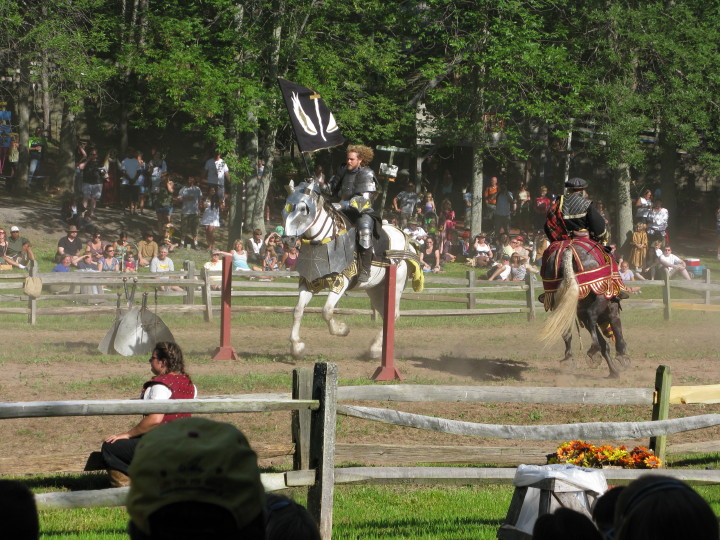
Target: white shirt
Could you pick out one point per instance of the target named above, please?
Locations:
(190, 206)
(659, 219)
(160, 391)
(668, 261)
(157, 265)
(131, 166)
(415, 234)
(216, 171)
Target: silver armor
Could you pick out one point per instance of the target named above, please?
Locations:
(356, 182)
(365, 231)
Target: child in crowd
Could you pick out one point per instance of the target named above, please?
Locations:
(627, 276)
(129, 264)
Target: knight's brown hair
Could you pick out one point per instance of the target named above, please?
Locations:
(365, 153)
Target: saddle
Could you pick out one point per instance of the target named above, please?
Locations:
(595, 270)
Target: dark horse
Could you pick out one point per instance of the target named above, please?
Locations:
(581, 282)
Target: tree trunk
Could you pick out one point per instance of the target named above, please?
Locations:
(23, 107)
(477, 190)
(668, 168)
(624, 226)
(66, 169)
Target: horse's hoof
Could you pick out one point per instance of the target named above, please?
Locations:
(594, 361)
(297, 350)
(340, 329)
(567, 358)
(374, 354)
(614, 375)
(623, 360)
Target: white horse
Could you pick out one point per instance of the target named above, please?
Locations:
(328, 262)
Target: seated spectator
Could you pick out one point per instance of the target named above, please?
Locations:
(517, 246)
(88, 264)
(254, 248)
(19, 250)
(196, 479)
(70, 245)
(430, 256)
(270, 260)
(239, 258)
(274, 240)
(109, 263)
(483, 253)
(415, 232)
(565, 524)
(500, 270)
(73, 212)
(627, 276)
(129, 263)
(147, 249)
(214, 265)
(95, 247)
(502, 245)
(121, 245)
(660, 507)
(518, 271)
(161, 264)
(63, 265)
(670, 262)
(464, 245)
(7, 262)
(18, 511)
(168, 239)
(170, 381)
(289, 258)
(447, 249)
(287, 520)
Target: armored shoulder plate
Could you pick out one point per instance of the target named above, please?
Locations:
(365, 181)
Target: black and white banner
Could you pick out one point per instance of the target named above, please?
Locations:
(314, 125)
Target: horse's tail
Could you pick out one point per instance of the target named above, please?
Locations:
(566, 300)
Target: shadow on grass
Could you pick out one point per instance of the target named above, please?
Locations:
(69, 482)
(482, 369)
(448, 527)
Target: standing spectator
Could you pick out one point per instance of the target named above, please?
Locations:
(164, 202)
(600, 207)
(446, 185)
(643, 206)
(70, 244)
(132, 167)
(147, 249)
(428, 205)
(523, 209)
(540, 209)
(38, 147)
(19, 248)
(93, 176)
(468, 202)
(490, 199)
(405, 204)
(254, 247)
(110, 195)
(447, 217)
(80, 159)
(217, 173)
(671, 263)
(157, 167)
(13, 160)
(190, 197)
(211, 206)
(638, 247)
(504, 207)
(658, 220)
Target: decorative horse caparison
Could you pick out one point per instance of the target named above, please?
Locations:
(579, 288)
(328, 261)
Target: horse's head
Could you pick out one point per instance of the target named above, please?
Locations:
(301, 208)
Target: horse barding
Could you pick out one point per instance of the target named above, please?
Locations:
(329, 261)
(581, 283)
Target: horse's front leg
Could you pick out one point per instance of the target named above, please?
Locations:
(297, 347)
(621, 354)
(337, 328)
(567, 338)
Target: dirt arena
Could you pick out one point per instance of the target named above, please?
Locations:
(55, 362)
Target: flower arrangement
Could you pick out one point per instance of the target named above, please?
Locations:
(588, 455)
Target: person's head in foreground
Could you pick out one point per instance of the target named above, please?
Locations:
(660, 507)
(288, 520)
(565, 524)
(18, 512)
(195, 479)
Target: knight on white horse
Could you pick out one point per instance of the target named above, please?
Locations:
(329, 258)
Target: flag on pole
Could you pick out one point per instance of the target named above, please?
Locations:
(314, 125)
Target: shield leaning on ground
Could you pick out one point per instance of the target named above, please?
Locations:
(140, 330)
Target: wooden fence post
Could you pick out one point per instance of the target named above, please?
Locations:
(32, 301)
(189, 267)
(322, 447)
(302, 388)
(707, 285)
(530, 295)
(471, 297)
(661, 407)
(666, 295)
(206, 294)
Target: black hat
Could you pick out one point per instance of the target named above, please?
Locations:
(576, 183)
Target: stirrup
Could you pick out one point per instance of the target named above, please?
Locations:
(541, 298)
